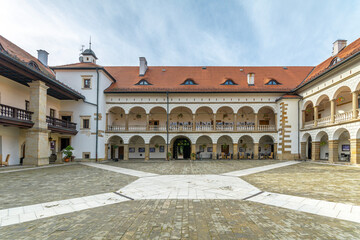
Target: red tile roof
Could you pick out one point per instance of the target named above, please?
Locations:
(77, 65)
(344, 54)
(165, 78)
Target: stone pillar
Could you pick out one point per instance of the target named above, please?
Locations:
(235, 150)
(169, 151)
(333, 151)
(107, 121)
(235, 122)
(256, 150)
(355, 151)
(193, 150)
(214, 151)
(303, 151)
(106, 151)
(214, 122)
(147, 121)
(315, 115)
(332, 111)
(355, 104)
(126, 151)
(147, 152)
(194, 123)
(275, 150)
(315, 151)
(276, 124)
(256, 122)
(126, 122)
(37, 137)
(303, 118)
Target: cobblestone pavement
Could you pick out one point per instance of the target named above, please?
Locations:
(180, 167)
(318, 181)
(57, 183)
(185, 219)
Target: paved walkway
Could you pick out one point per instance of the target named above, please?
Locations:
(149, 186)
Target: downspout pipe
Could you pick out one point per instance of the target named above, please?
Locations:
(299, 119)
(167, 126)
(97, 115)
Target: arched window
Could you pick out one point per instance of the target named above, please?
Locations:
(143, 82)
(189, 82)
(273, 82)
(229, 82)
(334, 61)
(34, 65)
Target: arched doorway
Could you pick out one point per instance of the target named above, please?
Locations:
(157, 148)
(225, 147)
(136, 147)
(204, 147)
(266, 147)
(181, 148)
(246, 147)
(309, 148)
(116, 148)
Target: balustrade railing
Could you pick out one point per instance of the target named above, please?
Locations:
(204, 127)
(309, 124)
(266, 128)
(137, 128)
(116, 128)
(245, 128)
(343, 117)
(157, 128)
(180, 128)
(224, 127)
(323, 121)
(15, 113)
(55, 122)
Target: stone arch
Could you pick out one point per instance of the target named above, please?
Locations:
(307, 103)
(305, 137)
(116, 118)
(338, 132)
(246, 147)
(224, 146)
(339, 90)
(204, 118)
(136, 147)
(319, 135)
(157, 118)
(266, 106)
(115, 147)
(321, 98)
(216, 108)
(203, 143)
(181, 147)
(157, 147)
(266, 146)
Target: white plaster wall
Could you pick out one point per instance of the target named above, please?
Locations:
(13, 94)
(53, 103)
(10, 142)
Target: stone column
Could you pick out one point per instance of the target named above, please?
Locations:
(332, 111)
(276, 125)
(214, 151)
(37, 137)
(256, 121)
(235, 122)
(355, 151)
(303, 118)
(275, 150)
(235, 150)
(193, 150)
(106, 151)
(256, 150)
(107, 121)
(315, 115)
(303, 151)
(194, 123)
(214, 122)
(333, 151)
(126, 151)
(126, 122)
(355, 104)
(147, 121)
(315, 151)
(147, 152)
(169, 151)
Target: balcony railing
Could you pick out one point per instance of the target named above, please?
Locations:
(245, 128)
(204, 127)
(343, 117)
(323, 121)
(115, 128)
(180, 128)
(60, 126)
(266, 128)
(157, 128)
(137, 128)
(15, 116)
(224, 127)
(309, 124)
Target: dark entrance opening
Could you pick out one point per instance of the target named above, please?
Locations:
(182, 148)
(64, 143)
(119, 150)
(309, 148)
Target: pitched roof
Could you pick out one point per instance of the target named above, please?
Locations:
(164, 78)
(328, 64)
(77, 65)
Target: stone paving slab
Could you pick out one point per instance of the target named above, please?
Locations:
(319, 207)
(188, 167)
(310, 180)
(184, 219)
(57, 183)
(38, 211)
(126, 171)
(249, 171)
(189, 187)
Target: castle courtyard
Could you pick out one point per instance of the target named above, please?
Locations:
(202, 199)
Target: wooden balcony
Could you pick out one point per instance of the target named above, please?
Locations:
(61, 126)
(15, 117)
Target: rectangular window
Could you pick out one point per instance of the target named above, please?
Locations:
(27, 105)
(86, 155)
(87, 83)
(66, 118)
(52, 112)
(86, 123)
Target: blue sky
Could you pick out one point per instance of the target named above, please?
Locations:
(169, 32)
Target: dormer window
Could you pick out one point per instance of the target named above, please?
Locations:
(273, 82)
(251, 78)
(34, 65)
(143, 82)
(189, 82)
(229, 82)
(334, 61)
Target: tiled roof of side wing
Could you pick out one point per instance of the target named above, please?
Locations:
(211, 79)
(326, 65)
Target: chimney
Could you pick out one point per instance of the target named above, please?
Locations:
(143, 66)
(338, 45)
(43, 56)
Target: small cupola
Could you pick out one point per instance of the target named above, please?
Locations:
(88, 55)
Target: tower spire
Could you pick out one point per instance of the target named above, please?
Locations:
(90, 43)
